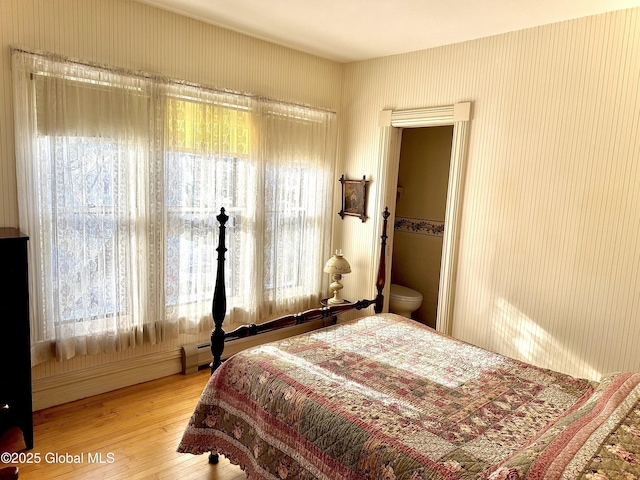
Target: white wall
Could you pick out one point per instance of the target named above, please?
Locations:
(550, 235)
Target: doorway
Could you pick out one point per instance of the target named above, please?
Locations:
(392, 122)
(421, 201)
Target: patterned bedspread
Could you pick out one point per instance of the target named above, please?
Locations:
(384, 397)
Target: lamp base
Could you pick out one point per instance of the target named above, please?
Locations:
(336, 301)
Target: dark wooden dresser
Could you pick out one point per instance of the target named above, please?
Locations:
(15, 344)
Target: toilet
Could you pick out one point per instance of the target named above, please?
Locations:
(403, 300)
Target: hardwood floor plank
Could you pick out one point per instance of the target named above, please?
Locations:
(131, 433)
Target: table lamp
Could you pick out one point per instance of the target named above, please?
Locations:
(337, 266)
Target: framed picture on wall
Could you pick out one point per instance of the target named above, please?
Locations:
(354, 198)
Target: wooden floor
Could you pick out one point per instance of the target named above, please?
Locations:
(136, 430)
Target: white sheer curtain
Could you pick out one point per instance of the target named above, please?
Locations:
(120, 177)
(271, 165)
(292, 236)
(208, 164)
(82, 150)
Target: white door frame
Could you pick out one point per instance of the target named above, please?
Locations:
(392, 122)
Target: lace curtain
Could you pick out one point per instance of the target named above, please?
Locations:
(120, 177)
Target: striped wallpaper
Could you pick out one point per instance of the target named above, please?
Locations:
(549, 249)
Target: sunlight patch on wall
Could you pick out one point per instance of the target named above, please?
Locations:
(521, 337)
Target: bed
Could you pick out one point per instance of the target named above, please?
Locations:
(384, 397)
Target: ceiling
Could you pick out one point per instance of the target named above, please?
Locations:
(351, 30)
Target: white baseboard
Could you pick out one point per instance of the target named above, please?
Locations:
(67, 387)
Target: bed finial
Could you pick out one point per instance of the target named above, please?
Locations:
(219, 305)
(382, 269)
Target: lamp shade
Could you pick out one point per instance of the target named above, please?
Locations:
(337, 264)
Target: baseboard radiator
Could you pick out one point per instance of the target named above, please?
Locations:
(194, 356)
(197, 355)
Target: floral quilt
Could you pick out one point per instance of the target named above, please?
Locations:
(384, 397)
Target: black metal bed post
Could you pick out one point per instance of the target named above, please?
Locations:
(219, 304)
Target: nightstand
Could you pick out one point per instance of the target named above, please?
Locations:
(325, 303)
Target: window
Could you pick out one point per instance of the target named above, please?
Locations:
(89, 225)
(120, 179)
(207, 165)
